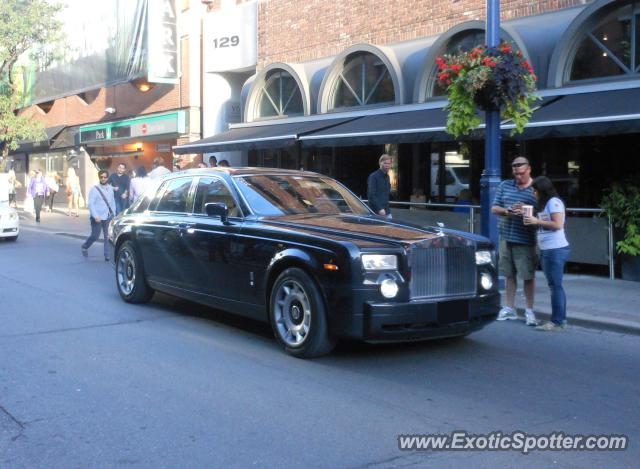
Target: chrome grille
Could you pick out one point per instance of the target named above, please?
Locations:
(442, 271)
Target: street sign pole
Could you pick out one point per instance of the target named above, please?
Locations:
(491, 175)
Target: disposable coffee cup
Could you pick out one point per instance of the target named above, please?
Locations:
(527, 210)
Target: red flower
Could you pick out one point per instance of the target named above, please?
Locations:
(488, 62)
(443, 76)
(442, 64)
(506, 49)
(456, 68)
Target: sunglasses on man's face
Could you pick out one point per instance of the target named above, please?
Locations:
(517, 165)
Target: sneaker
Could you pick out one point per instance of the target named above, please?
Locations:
(85, 252)
(549, 327)
(530, 318)
(506, 313)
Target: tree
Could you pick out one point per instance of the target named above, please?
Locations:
(29, 29)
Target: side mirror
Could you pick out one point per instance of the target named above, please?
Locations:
(215, 209)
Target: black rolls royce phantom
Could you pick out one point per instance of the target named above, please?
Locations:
(299, 250)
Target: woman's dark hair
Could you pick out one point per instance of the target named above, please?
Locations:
(545, 189)
(141, 172)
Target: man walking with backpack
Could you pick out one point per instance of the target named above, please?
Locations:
(102, 208)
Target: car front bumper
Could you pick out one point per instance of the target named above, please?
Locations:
(419, 320)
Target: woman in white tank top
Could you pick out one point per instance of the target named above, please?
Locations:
(554, 248)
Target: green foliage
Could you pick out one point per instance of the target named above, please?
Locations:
(29, 29)
(487, 79)
(622, 204)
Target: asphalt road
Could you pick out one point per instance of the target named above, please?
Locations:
(87, 380)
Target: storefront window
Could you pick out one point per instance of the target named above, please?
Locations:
(363, 81)
(280, 96)
(606, 49)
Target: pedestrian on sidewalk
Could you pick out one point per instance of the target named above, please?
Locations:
(554, 248)
(138, 184)
(52, 188)
(120, 182)
(27, 205)
(379, 187)
(517, 249)
(13, 185)
(38, 191)
(102, 206)
(73, 192)
(159, 169)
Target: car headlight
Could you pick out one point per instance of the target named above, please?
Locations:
(486, 281)
(484, 257)
(379, 261)
(389, 288)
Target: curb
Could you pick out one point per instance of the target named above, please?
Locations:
(620, 326)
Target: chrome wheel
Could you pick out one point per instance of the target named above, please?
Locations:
(292, 313)
(126, 271)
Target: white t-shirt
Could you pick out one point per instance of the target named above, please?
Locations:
(551, 239)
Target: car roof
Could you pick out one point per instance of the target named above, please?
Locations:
(245, 171)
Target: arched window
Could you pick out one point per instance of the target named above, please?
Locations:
(609, 47)
(280, 96)
(462, 42)
(364, 80)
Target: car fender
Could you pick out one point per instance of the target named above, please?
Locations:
(295, 257)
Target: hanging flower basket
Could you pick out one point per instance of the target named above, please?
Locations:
(487, 79)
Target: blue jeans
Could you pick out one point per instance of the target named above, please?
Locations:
(121, 203)
(553, 261)
(96, 228)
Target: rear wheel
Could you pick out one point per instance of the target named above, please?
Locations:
(130, 277)
(298, 316)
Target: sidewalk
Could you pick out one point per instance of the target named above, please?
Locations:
(593, 302)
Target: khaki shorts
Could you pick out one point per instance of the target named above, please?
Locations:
(519, 259)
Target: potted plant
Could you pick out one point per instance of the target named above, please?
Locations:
(487, 78)
(622, 205)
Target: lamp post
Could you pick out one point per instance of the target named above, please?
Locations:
(491, 175)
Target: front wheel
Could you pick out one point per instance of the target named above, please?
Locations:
(298, 316)
(130, 278)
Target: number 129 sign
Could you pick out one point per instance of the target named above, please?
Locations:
(225, 41)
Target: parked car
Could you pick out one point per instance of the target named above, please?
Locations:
(299, 250)
(9, 222)
(456, 179)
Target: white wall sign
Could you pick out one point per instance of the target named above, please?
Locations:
(232, 112)
(230, 38)
(162, 42)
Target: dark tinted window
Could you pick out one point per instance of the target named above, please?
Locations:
(174, 196)
(213, 190)
(275, 194)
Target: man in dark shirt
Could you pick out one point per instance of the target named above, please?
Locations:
(120, 182)
(379, 187)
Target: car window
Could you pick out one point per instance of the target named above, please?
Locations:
(272, 195)
(174, 196)
(214, 190)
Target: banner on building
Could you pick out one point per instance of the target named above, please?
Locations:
(230, 39)
(162, 42)
(109, 42)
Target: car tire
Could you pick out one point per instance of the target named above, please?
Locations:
(298, 315)
(130, 277)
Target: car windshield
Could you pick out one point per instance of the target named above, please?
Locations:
(285, 194)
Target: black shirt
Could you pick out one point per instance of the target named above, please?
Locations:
(378, 190)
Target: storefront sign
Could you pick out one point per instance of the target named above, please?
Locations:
(172, 123)
(230, 38)
(162, 42)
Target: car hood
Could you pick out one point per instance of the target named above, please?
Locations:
(365, 230)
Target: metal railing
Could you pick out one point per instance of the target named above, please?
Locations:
(472, 218)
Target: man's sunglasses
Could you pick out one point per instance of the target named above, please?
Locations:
(517, 165)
